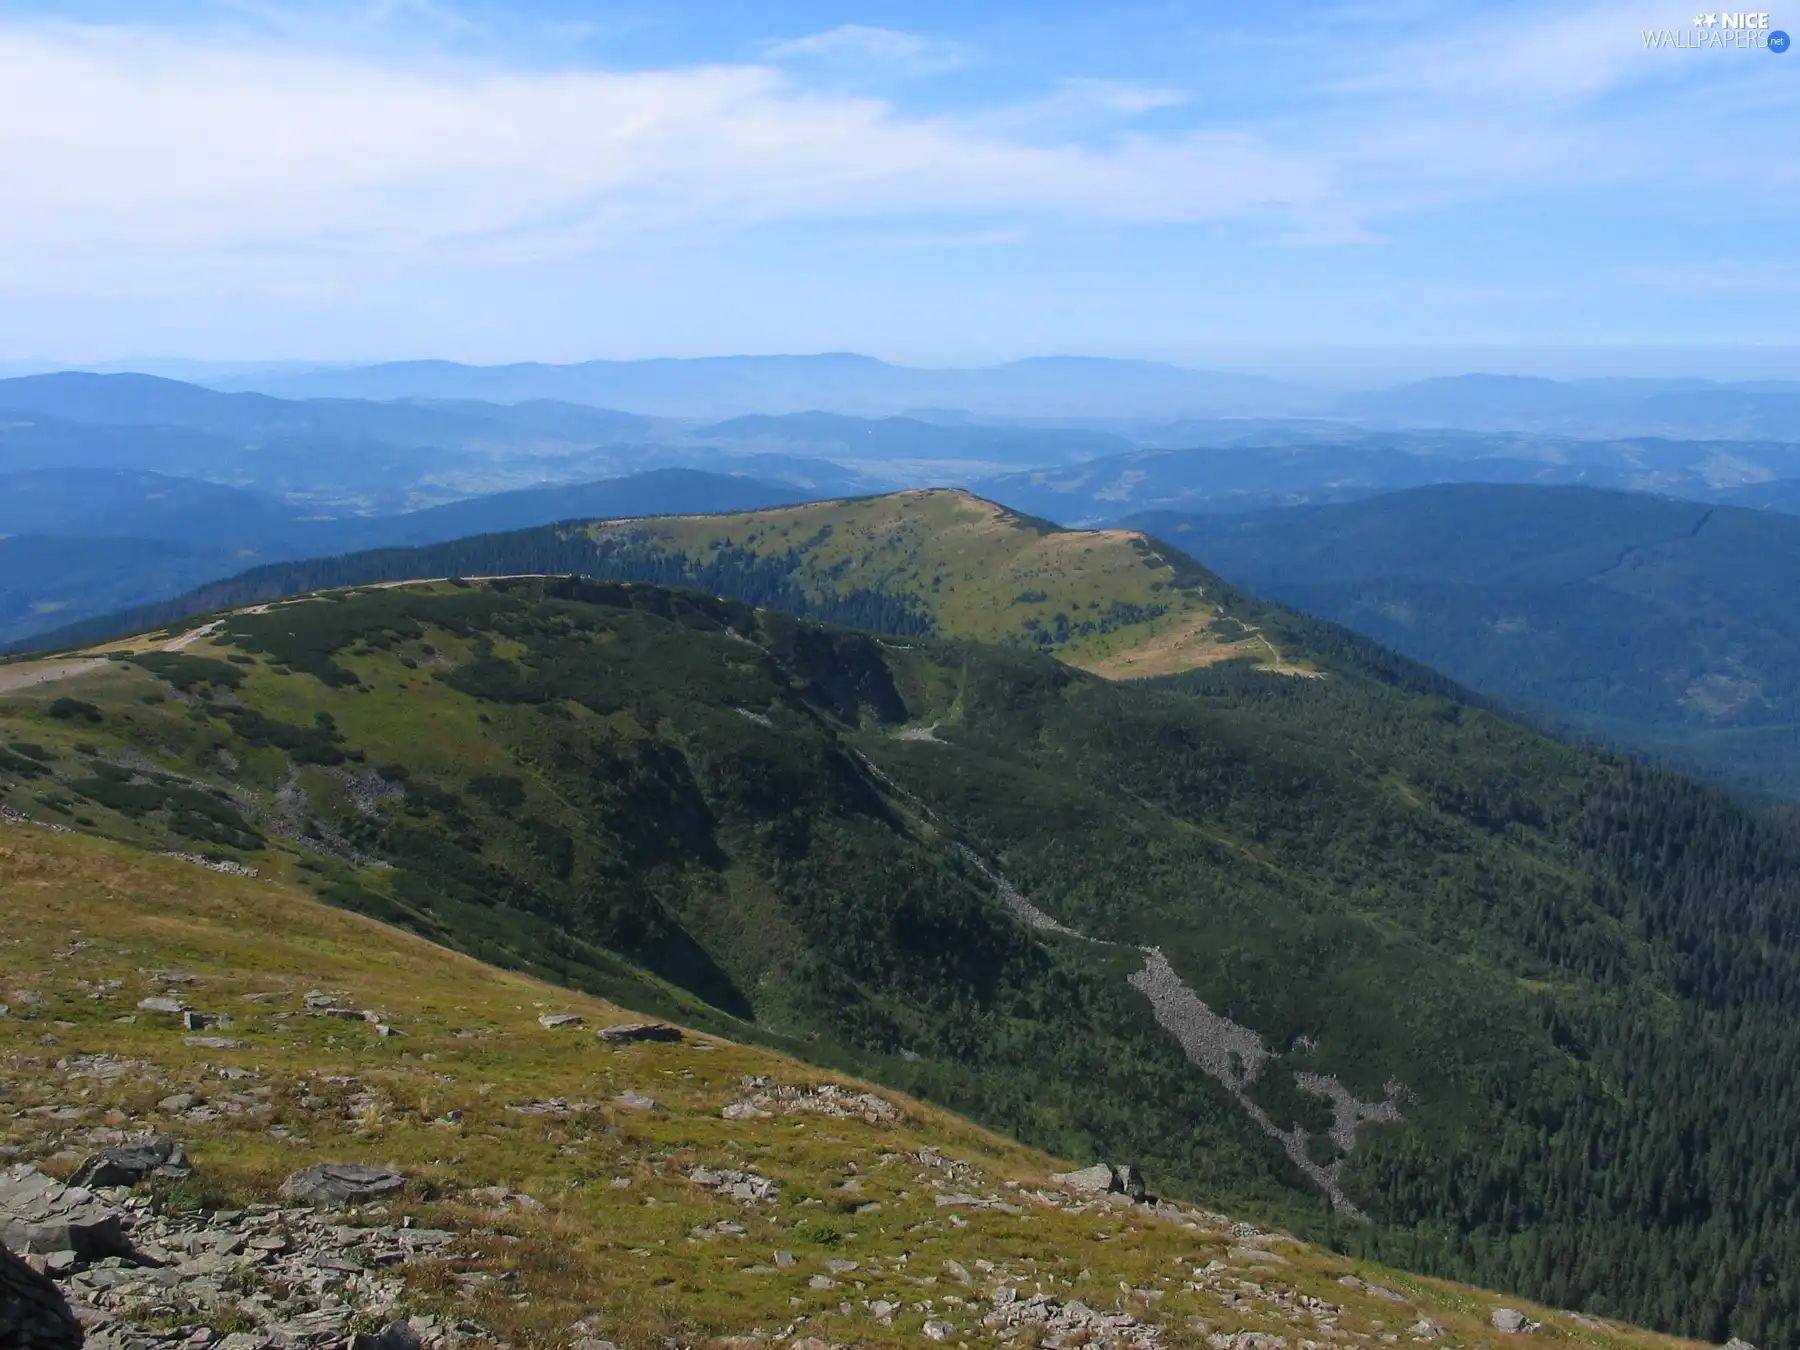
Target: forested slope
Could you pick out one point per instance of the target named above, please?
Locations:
(1557, 993)
(1668, 627)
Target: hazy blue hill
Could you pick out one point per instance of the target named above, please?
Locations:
(1667, 626)
(146, 400)
(90, 502)
(1693, 409)
(555, 417)
(1464, 400)
(889, 438)
(47, 582)
(657, 492)
(1244, 478)
(191, 533)
(1042, 388)
(75, 399)
(1300, 464)
(1073, 389)
(1781, 495)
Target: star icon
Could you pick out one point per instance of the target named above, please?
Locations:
(1710, 20)
(1699, 20)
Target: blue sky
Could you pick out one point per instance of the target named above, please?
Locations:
(1234, 185)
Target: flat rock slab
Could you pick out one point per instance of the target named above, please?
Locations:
(639, 1031)
(341, 1184)
(126, 1164)
(40, 1214)
(557, 1021)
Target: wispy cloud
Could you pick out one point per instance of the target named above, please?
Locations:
(887, 47)
(1716, 276)
(138, 147)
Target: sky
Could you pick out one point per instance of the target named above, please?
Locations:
(935, 183)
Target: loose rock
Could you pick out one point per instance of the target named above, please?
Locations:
(334, 1184)
(639, 1031)
(126, 1164)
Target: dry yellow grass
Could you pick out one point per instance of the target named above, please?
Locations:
(92, 927)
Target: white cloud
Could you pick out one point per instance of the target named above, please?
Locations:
(862, 43)
(125, 149)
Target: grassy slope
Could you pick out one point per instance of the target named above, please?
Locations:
(983, 572)
(1418, 889)
(89, 922)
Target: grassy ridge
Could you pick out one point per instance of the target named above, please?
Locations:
(909, 563)
(1107, 601)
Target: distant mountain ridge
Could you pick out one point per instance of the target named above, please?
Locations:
(1069, 388)
(1232, 479)
(842, 382)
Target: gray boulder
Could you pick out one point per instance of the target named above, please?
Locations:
(639, 1031)
(1509, 1320)
(138, 1158)
(1105, 1179)
(335, 1184)
(33, 1313)
(1095, 1180)
(40, 1214)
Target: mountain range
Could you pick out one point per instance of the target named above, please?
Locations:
(1060, 388)
(1298, 924)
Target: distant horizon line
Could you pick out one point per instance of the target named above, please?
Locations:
(1279, 362)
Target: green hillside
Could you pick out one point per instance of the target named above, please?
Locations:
(929, 562)
(1531, 1010)
(1670, 628)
